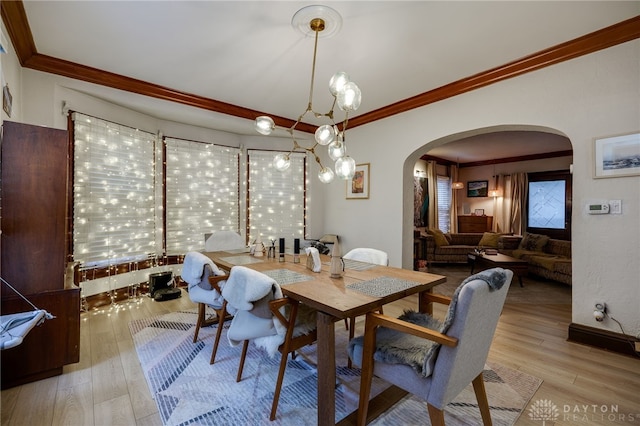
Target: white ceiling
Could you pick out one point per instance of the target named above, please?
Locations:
(247, 53)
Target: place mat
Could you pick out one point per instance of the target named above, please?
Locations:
(241, 260)
(238, 250)
(285, 276)
(382, 286)
(357, 265)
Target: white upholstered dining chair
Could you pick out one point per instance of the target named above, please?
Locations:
(367, 255)
(224, 240)
(205, 282)
(453, 353)
(273, 322)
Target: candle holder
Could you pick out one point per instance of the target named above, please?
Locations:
(271, 253)
(281, 257)
(296, 250)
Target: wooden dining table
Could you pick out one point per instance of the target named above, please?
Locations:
(362, 288)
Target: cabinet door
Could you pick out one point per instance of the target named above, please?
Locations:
(32, 248)
(34, 206)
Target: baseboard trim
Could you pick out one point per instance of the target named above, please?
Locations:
(605, 339)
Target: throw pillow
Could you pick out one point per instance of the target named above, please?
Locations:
(534, 242)
(489, 239)
(439, 237)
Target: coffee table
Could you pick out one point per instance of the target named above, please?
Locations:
(499, 260)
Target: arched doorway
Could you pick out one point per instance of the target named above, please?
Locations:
(525, 148)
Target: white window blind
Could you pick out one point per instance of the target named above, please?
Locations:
(444, 203)
(114, 195)
(202, 181)
(276, 199)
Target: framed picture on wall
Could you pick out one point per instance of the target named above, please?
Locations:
(478, 188)
(617, 156)
(358, 186)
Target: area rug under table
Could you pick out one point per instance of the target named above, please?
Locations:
(190, 391)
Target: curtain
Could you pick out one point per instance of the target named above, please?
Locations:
(276, 200)
(510, 212)
(453, 172)
(502, 205)
(518, 211)
(113, 191)
(202, 190)
(432, 185)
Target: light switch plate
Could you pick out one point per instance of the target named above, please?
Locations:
(615, 206)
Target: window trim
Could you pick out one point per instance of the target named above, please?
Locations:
(559, 234)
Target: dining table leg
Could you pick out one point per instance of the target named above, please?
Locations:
(424, 304)
(326, 348)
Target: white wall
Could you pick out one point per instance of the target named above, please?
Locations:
(591, 96)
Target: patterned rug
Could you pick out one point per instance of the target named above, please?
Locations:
(188, 390)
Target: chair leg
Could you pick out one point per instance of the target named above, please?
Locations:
(481, 396)
(436, 415)
(276, 394)
(221, 317)
(245, 346)
(201, 314)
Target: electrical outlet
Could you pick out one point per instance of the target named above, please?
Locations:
(600, 311)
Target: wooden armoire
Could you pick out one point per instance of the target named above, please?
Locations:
(34, 201)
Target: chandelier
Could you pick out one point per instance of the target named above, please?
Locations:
(346, 94)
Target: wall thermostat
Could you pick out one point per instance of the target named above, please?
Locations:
(598, 208)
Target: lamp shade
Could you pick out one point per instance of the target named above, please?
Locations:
(345, 167)
(349, 97)
(265, 125)
(457, 185)
(337, 82)
(337, 149)
(325, 134)
(326, 175)
(281, 162)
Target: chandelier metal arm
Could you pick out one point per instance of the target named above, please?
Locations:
(345, 93)
(317, 25)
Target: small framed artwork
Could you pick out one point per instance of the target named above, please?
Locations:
(358, 186)
(7, 99)
(478, 212)
(617, 156)
(478, 188)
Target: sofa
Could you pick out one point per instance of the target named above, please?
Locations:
(437, 247)
(546, 257)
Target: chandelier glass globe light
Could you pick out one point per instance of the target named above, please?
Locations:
(313, 21)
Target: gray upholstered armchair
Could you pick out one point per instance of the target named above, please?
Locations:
(444, 368)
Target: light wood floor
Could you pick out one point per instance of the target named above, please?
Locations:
(107, 386)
